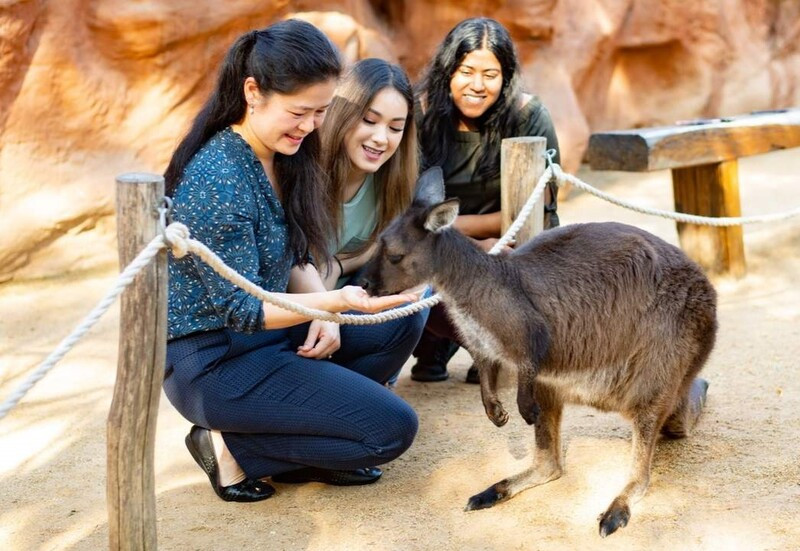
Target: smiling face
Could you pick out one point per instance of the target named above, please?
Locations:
(279, 122)
(476, 84)
(376, 136)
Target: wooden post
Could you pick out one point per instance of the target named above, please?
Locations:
(131, 426)
(703, 156)
(711, 190)
(522, 163)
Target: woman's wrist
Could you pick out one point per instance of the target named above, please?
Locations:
(339, 264)
(340, 304)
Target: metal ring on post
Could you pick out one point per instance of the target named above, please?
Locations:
(165, 218)
(549, 155)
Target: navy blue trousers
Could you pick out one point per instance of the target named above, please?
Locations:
(279, 412)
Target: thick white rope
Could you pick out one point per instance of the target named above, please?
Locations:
(176, 236)
(124, 279)
(524, 212)
(562, 177)
(181, 244)
(209, 257)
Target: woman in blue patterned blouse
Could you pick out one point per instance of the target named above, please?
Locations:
(269, 393)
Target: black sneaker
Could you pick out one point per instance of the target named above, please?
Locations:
(432, 353)
(429, 373)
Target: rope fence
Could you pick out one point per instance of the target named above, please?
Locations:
(123, 280)
(562, 178)
(176, 237)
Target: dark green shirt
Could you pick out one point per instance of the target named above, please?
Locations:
(483, 196)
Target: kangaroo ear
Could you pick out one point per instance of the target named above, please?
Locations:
(442, 216)
(430, 187)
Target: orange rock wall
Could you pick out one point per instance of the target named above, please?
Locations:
(93, 88)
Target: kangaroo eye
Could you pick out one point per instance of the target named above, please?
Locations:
(394, 258)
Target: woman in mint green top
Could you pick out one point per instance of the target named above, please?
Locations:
(369, 150)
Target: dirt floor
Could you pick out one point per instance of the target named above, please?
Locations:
(735, 484)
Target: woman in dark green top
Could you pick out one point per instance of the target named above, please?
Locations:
(471, 98)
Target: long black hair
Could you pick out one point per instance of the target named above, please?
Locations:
(282, 58)
(437, 132)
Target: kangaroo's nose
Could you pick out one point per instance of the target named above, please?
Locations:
(364, 283)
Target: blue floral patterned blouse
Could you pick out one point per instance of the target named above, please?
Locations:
(227, 202)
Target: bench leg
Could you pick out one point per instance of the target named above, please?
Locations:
(711, 190)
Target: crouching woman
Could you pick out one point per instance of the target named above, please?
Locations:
(271, 394)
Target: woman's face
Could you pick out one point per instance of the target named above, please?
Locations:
(476, 84)
(280, 122)
(375, 138)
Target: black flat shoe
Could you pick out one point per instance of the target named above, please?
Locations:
(472, 375)
(356, 477)
(202, 449)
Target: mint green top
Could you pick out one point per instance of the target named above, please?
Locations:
(359, 218)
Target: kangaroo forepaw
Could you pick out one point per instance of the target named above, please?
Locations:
(614, 518)
(496, 413)
(490, 497)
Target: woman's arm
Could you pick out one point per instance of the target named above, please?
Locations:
(349, 265)
(306, 288)
(323, 338)
(479, 226)
(340, 300)
(276, 317)
(305, 279)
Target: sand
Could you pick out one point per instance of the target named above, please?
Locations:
(734, 484)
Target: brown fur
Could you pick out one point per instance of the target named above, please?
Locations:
(605, 315)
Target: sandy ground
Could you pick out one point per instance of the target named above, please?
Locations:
(735, 484)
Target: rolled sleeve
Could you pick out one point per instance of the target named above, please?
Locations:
(235, 243)
(226, 201)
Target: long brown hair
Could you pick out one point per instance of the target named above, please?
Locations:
(395, 179)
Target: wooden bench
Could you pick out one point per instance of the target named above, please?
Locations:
(703, 157)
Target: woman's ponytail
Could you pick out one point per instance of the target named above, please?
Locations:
(226, 106)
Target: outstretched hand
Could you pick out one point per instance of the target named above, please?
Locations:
(357, 298)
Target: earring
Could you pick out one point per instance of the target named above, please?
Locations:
(252, 109)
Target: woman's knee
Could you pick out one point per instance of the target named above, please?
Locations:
(398, 428)
(411, 327)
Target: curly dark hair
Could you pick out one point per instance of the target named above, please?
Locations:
(437, 132)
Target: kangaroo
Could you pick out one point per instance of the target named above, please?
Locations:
(601, 314)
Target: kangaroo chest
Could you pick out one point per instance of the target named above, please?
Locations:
(478, 338)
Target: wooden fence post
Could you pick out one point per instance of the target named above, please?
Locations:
(711, 190)
(522, 163)
(131, 426)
